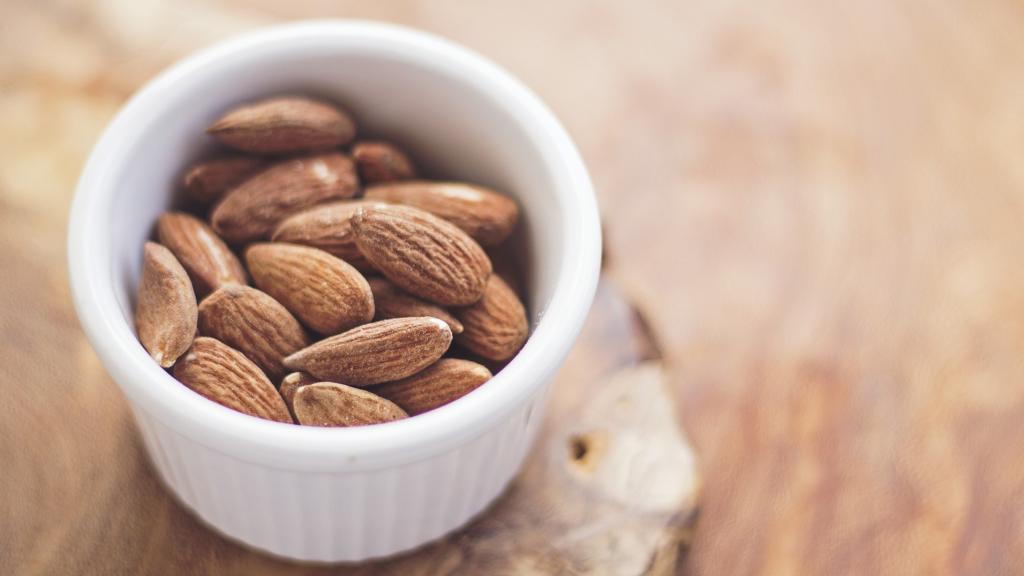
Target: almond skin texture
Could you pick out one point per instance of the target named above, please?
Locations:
(495, 327)
(390, 302)
(222, 374)
(325, 292)
(290, 384)
(207, 181)
(253, 323)
(422, 254)
(374, 353)
(207, 259)
(330, 404)
(327, 227)
(446, 380)
(252, 210)
(382, 162)
(284, 126)
(165, 312)
(487, 216)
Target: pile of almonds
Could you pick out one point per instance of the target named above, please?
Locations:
(362, 275)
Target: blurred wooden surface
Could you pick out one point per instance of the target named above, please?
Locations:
(820, 207)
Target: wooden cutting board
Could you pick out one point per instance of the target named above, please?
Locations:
(610, 488)
(819, 206)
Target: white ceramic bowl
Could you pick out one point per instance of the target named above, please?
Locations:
(350, 493)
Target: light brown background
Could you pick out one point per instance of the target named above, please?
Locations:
(820, 206)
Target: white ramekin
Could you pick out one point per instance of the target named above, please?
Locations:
(353, 493)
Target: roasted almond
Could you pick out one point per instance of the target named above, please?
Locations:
(487, 216)
(327, 227)
(495, 327)
(207, 181)
(252, 210)
(374, 353)
(284, 125)
(224, 375)
(391, 302)
(290, 384)
(422, 254)
(330, 404)
(165, 312)
(207, 259)
(446, 380)
(253, 323)
(381, 162)
(325, 292)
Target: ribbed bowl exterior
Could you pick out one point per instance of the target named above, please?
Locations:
(341, 516)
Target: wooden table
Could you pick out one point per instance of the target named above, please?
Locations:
(819, 207)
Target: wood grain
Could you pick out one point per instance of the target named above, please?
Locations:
(819, 204)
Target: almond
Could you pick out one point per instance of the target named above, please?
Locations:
(330, 404)
(207, 259)
(207, 181)
(291, 384)
(165, 313)
(390, 302)
(327, 227)
(222, 374)
(325, 292)
(461, 353)
(253, 323)
(252, 210)
(505, 260)
(422, 254)
(284, 125)
(446, 380)
(382, 162)
(374, 353)
(495, 327)
(487, 216)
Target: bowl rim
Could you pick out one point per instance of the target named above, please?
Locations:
(275, 444)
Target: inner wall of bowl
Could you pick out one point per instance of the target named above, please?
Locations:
(451, 126)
